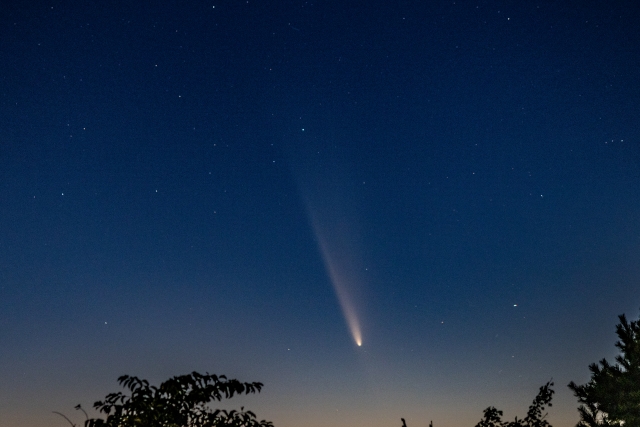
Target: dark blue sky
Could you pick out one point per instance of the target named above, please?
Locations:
(249, 188)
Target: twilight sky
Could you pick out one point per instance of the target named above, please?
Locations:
(254, 188)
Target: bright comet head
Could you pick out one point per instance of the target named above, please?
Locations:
(342, 276)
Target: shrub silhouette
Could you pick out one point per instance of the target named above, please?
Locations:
(181, 401)
(535, 415)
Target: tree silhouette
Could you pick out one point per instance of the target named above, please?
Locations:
(535, 416)
(612, 395)
(181, 401)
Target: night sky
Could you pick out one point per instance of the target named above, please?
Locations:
(255, 188)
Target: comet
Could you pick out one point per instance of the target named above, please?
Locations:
(339, 266)
(323, 186)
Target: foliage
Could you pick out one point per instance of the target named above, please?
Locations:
(535, 416)
(612, 396)
(180, 401)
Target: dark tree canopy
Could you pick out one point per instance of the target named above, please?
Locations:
(181, 401)
(612, 395)
(535, 415)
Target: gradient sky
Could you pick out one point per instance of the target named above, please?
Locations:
(243, 187)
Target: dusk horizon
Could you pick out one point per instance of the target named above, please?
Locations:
(379, 210)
